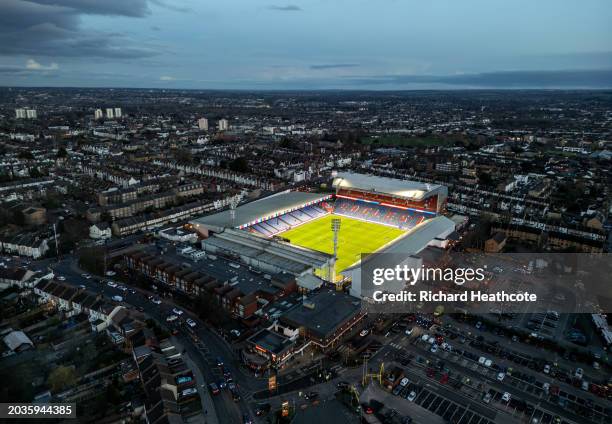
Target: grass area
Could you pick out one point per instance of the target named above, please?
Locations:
(355, 237)
(398, 140)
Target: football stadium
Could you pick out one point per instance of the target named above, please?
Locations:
(292, 232)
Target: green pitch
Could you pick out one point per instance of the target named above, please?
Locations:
(355, 237)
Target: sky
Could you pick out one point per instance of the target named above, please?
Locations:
(307, 44)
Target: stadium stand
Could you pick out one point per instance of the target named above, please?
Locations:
(403, 219)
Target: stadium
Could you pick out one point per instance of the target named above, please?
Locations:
(291, 231)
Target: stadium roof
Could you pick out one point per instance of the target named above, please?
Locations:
(252, 211)
(393, 186)
(267, 253)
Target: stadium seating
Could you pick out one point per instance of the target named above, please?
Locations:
(404, 219)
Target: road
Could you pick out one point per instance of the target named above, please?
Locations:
(203, 346)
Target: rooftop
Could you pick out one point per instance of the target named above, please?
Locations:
(267, 207)
(323, 313)
(393, 186)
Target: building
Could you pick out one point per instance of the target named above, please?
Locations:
(110, 113)
(203, 124)
(23, 113)
(100, 231)
(118, 113)
(323, 319)
(98, 114)
(223, 125)
(34, 215)
(17, 341)
(496, 243)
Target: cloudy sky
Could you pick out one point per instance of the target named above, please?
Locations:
(259, 44)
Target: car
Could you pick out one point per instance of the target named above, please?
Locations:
(478, 325)
(546, 369)
(425, 337)
(404, 382)
(214, 389)
(487, 397)
(506, 397)
(122, 288)
(61, 278)
(86, 276)
(262, 409)
(177, 311)
(191, 323)
(488, 363)
(222, 384)
(82, 286)
(219, 361)
(585, 386)
(501, 376)
(311, 395)
(412, 396)
(117, 298)
(367, 409)
(189, 392)
(482, 360)
(546, 387)
(171, 318)
(342, 385)
(156, 301)
(110, 273)
(111, 284)
(434, 348)
(364, 332)
(409, 331)
(396, 390)
(579, 373)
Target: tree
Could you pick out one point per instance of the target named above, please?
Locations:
(239, 164)
(62, 153)
(61, 377)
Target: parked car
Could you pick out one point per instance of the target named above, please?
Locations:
(177, 311)
(171, 318)
(506, 397)
(412, 396)
(191, 323)
(117, 298)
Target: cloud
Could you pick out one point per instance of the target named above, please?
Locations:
(31, 67)
(334, 66)
(285, 8)
(167, 78)
(601, 78)
(53, 28)
(172, 7)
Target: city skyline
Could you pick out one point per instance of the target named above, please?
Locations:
(388, 45)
